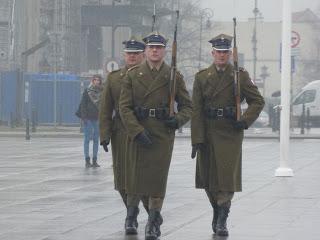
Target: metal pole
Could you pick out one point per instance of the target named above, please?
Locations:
(303, 118)
(12, 36)
(55, 83)
(27, 129)
(113, 31)
(284, 170)
(200, 43)
(254, 40)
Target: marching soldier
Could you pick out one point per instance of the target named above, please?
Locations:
(111, 127)
(216, 135)
(144, 109)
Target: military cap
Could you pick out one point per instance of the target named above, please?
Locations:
(134, 45)
(221, 42)
(155, 38)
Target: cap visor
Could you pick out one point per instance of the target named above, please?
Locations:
(133, 50)
(155, 44)
(222, 49)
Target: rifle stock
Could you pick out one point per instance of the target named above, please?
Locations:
(236, 73)
(173, 69)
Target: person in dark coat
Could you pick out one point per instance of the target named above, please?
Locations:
(112, 129)
(144, 108)
(88, 112)
(216, 135)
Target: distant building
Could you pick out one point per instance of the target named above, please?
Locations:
(306, 26)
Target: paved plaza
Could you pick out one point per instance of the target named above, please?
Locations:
(47, 194)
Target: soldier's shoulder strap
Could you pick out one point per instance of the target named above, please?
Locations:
(114, 71)
(201, 71)
(134, 67)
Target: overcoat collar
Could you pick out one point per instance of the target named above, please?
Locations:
(217, 83)
(151, 85)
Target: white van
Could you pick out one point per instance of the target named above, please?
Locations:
(310, 97)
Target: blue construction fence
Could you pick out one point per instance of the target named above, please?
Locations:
(30, 94)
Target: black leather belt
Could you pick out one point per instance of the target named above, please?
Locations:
(158, 113)
(220, 113)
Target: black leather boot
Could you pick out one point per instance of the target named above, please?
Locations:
(145, 201)
(88, 164)
(223, 212)
(215, 216)
(94, 163)
(152, 231)
(131, 223)
(146, 207)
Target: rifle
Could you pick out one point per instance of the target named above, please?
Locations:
(153, 17)
(236, 84)
(173, 69)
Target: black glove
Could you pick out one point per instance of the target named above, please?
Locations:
(171, 122)
(195, 148)
(105, 144)
(239, 125)
(144, 138)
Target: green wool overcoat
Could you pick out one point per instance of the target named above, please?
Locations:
(147, 167)
(219, 162)
(111, 126)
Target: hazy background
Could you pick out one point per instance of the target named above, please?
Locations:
(271, 9)
(49, 49)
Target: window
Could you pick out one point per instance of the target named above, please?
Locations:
(306, 97)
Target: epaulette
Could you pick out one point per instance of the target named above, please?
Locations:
(114, 71)
(242, 69)
(133, 68)
(202, 70)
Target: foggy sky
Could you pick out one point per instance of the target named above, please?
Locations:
(271, 10)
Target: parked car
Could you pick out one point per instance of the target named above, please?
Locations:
(262, 120)
(309, 96)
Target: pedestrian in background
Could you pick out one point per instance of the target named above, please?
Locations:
(88, 112)
(112, 129)
(216, 134)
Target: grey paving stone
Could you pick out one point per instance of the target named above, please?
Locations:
(47, 194)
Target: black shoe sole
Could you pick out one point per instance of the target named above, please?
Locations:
(222, 233)
(131, 231)
(151, 238)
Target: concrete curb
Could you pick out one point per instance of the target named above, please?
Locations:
(80, 135)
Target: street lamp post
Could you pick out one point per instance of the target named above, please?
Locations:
(264, 74)
(257, 15)
(208, 14)
(113, 29)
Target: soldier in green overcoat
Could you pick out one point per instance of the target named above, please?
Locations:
(112, 128)
(144, 109)
(216, 135)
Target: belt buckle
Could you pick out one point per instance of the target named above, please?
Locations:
(220, 112)
(152, 112)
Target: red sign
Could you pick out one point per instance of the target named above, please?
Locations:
(295, 39)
